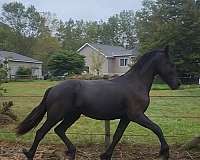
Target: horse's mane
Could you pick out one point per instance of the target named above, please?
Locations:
(143, 62)
(144, 59)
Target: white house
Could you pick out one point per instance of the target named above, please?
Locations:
(14, 61)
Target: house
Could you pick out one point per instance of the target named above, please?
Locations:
(14, 61)
(107, 60)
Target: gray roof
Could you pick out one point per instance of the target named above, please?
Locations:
(113, 51)
(11, 56)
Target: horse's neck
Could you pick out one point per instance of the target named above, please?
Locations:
(141, 76)
(146, 78)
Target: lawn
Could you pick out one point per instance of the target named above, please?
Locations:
(173, 114)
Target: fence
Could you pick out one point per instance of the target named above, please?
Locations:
(107, 133)
(23, 77)
(184, 80)
(190, 80)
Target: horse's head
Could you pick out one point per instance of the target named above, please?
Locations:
(166, 69)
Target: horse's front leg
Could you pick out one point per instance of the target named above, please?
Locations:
(117, 136)
(144, 121)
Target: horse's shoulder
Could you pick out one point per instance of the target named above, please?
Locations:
(138, 98)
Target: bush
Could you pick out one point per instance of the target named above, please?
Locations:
(22, 71)
(89, 77)
(6, 109)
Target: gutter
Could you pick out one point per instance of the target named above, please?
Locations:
(36, 62)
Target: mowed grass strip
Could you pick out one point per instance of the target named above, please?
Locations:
(173, 114)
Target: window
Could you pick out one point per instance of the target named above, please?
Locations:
(123, 62)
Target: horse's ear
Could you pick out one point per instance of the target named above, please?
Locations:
(167, 50)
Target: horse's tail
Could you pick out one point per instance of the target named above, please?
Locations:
(34, 118)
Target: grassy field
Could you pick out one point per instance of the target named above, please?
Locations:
(161, 110)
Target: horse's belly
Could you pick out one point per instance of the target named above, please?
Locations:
(102, 110)
(102, 101)
(99, 116)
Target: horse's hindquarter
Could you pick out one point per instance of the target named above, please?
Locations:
(101, 99)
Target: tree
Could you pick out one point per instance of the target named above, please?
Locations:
(7, 37)
(6, 113)
(91, 31)
(52, 23)
(13, 41)
(70, 34)
(64, 62)
(173, 22)
(43, 48)
(3, 74)
(127, 29)
(21, 27)
(119, 30)
(26, 21)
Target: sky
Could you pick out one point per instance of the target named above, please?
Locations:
(93, 10)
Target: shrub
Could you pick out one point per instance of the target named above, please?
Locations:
(6, 109)
(22, 71)
(89, 77)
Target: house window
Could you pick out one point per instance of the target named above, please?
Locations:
(123, 62)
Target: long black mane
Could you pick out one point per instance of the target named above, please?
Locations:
(142, 63)
(144, 59)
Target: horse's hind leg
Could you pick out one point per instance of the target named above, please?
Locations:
(60, 130)
(117, 136)
(48, 124)
(144, 121)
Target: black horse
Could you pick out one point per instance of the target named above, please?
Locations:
(125, 98)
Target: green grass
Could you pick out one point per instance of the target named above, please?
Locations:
(177, 129)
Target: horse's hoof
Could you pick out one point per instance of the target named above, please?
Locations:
(71, 154)
(105, 157)
(27, 154)
(163, 157)
(164, 154)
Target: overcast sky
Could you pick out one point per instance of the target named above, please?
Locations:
(82, 9)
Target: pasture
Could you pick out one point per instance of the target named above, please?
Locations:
(179, 117)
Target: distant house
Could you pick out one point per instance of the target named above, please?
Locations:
(14, 61)
(114, 60)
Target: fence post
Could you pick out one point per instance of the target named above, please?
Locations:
(107, 133)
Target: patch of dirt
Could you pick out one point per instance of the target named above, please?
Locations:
(12, 151)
